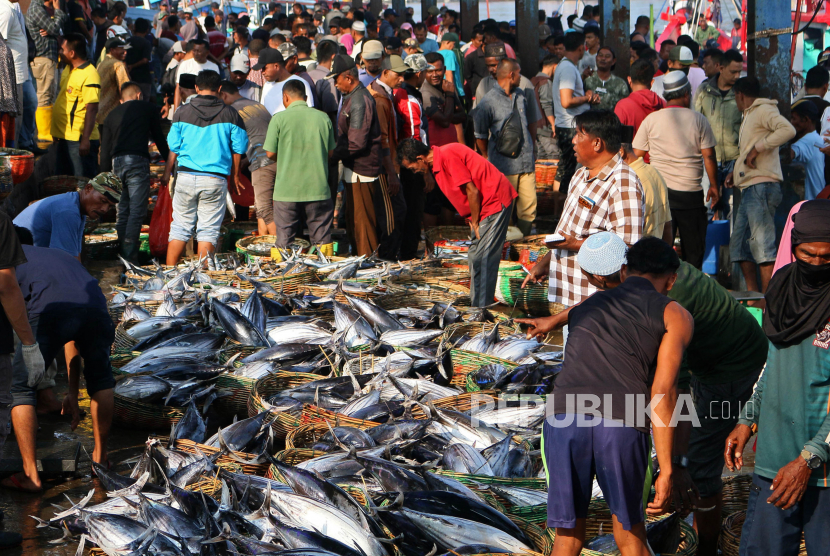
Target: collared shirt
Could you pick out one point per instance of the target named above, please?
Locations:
(302, 138)
(410, 108)
(366, 78)
(37, 17)
(55, 222)
(613, 201)
(489, 118)
(113, 74)
(13, 29)
(455, 165)
(79, 88)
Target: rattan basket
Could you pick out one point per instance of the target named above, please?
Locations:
(305, 436)
(528, 250)
(730, 535)
(270, 385)
(139, 415)
(532, 299)
(317, 415)
(245, 247)
(454, 332)
(225, 461)
(55, 185)
(465, 362)
(735, 494)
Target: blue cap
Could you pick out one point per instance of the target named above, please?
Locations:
(512, 23)
(602, 254)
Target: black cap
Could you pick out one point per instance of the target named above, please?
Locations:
(394, 42)
(187, 81)
(116, 42)
(268, 56)
(341, 63)
(807, 109)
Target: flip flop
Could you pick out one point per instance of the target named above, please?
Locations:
(17, 485)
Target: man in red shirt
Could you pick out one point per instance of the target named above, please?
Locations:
(480, 193)
(642, 101)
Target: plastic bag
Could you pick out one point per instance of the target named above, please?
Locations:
(160, 224)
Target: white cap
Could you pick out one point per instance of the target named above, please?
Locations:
(359, 26)
(177, 47)
(240, 63)
(187, 10)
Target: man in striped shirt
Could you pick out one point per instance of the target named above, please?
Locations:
(605, 196)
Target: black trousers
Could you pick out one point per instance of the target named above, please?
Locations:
(691, 223)
(412, 185)
(567, 157)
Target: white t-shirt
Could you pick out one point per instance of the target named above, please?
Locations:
(696, 77)
(193, 67)
(13, 28)
(272, 94)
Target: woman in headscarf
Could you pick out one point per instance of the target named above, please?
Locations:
(790, 409)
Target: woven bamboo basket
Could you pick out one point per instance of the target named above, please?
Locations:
(294, 456)
(225, 462)
(320, 291)
(306, 435)
(735, 493)
(454, 332)
(546, 173)
(116, 312)
(55, 185)
(119, 358)
(270, 385)
(240, 388)
(101, 247)
(254, 248)
(145, 416)
(424, 299)
(289, 284)
(687, 547)
(465, 362)
(317, 415)
(439, 233)
(532, 299)
(123, 341)
(528, 250)
(542, 542)
(730, 535)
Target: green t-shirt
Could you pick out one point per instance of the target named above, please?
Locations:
(610, 92)
(302, 138)
(728, 344)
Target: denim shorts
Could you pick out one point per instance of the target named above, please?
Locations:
(198, 205)
(753, 234)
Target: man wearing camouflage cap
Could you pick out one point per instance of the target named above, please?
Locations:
(58, 221)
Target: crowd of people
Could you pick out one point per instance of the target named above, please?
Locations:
(407, 126)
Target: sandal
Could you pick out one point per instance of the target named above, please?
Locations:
(13, 483)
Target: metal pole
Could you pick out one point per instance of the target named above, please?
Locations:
(651, 25)
(768, 57)
(469, 17)
(615, 24)
(375, 6)
(527, 19)
(400, 7)
(425, 5)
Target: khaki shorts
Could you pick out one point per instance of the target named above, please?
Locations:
(43, 70)
(262, 180)
(525, 186)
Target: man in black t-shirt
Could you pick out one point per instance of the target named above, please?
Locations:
(13, 318)
(138, 58)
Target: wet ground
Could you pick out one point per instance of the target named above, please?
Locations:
(56, 437)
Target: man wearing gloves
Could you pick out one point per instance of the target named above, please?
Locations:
(13, 319)
(64, 303)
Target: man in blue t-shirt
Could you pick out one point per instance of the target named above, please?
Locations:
(64, 303)
(58, 221)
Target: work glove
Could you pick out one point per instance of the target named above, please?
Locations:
(33, 360)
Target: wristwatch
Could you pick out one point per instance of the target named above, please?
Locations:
(680, 461)
(813, 461)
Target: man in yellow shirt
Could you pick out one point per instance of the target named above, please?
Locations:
(73, 116)
(657, 221)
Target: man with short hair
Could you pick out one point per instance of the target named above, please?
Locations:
(705, 32)
(301, 140)
(99, 19)
(788, 499)
(716, 100)
(216, 39)
(712, 59)
(546, 147)
(113, 73)
(193, 66)
(388, 24)
(116, 14)
(75, 110)
(480, 193)
(592, 46)
(474, 67)
(207, 141)
(610, 88)
(642, 101)
(264, 31)
(359, 148)
(642, 26)
(490, 117)
(665, 50)
(426, 44)
(124, 136)
(45, 20)
(757, 174)
(606, 196)
(333, 13)
(572, 100)
(639, 332)
(806, 147)
(138, 58)
(680, 144)
(276, 75)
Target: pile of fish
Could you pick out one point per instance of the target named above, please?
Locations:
(384, 475)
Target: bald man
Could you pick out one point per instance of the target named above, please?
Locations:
(489, 118)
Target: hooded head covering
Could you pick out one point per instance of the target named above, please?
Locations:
(798, 296)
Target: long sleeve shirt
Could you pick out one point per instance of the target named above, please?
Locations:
(358, 134)
(790, 407)
(126, 130)
(38, 18)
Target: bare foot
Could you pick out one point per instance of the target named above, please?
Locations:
(19, 481)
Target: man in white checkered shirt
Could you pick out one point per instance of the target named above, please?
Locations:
(605, 196)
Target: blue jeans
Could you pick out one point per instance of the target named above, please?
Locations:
(198, 205)
(753, 235)
(724, 168)
(134, 173)
(28, 127)
(70, 161)
(771, 531)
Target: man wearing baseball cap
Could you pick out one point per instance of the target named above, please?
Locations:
(409, 105)
(680, 158)
(272, 64)
(388, 24)
(371, 55)
(113, 74)
(680, 59)
(359, 148)
(239, 70)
